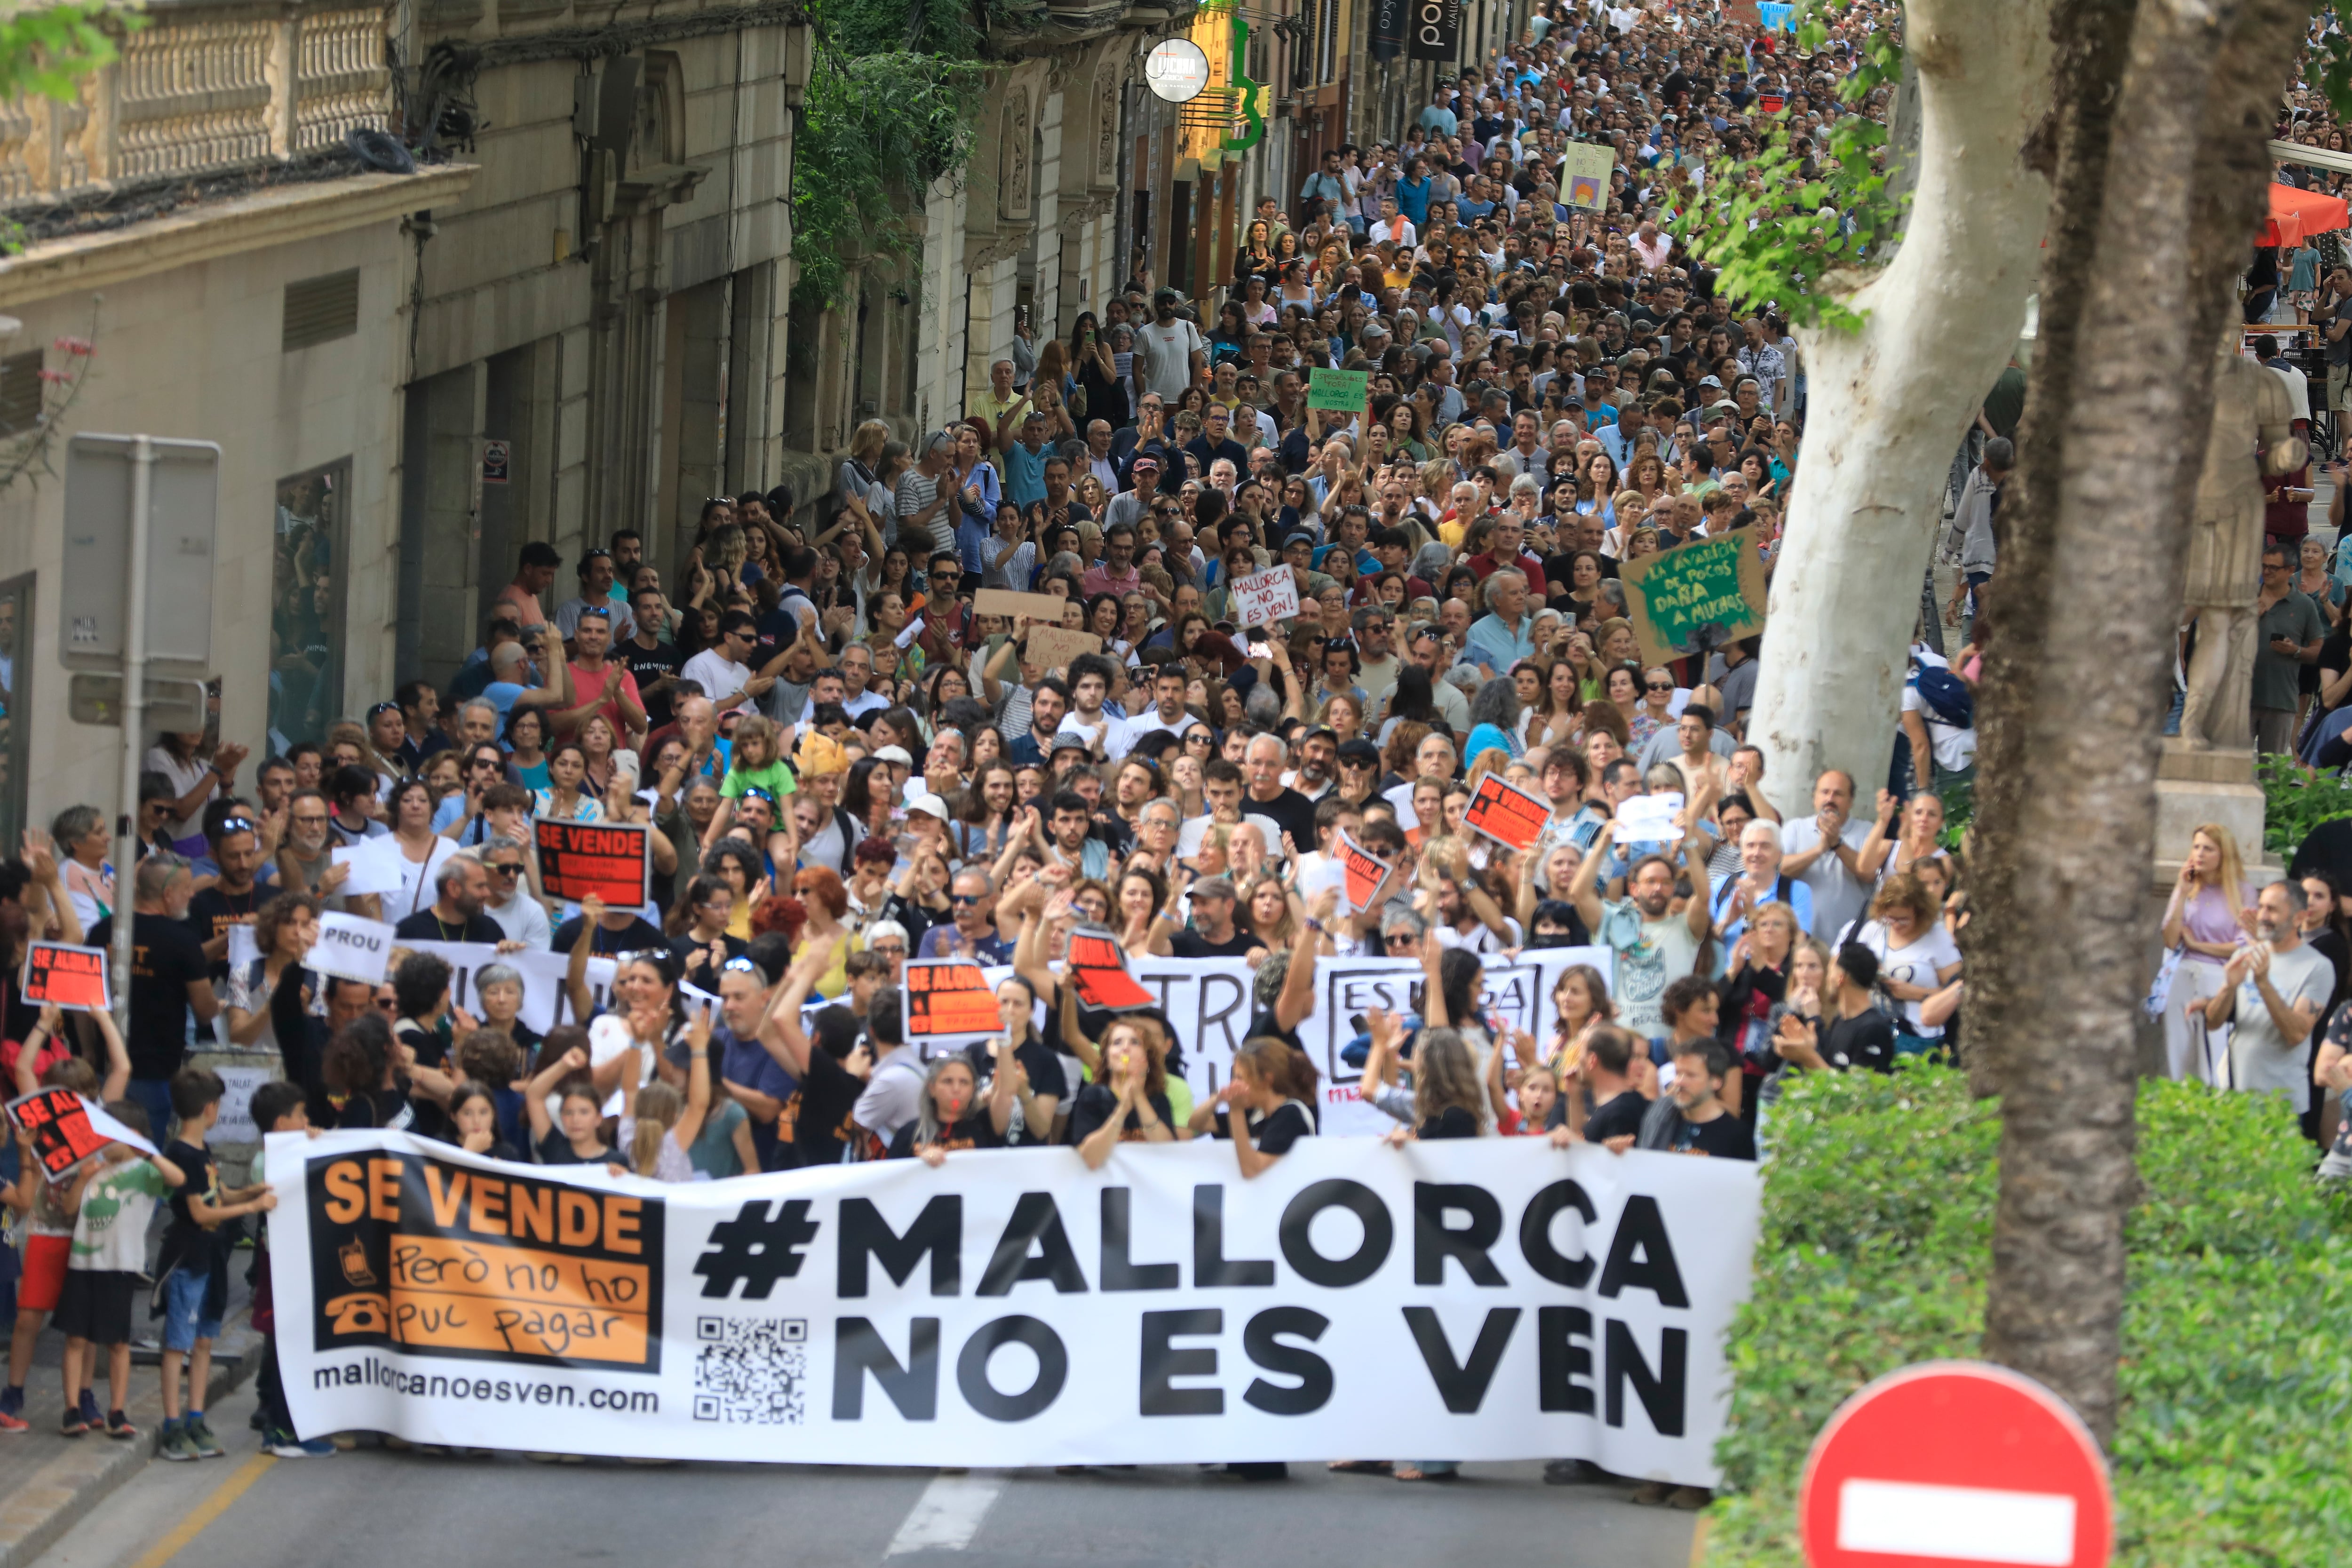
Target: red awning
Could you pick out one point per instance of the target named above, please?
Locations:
(2297, 214)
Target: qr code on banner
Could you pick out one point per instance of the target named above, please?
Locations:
(751, 1370)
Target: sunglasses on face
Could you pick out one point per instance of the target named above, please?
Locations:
(960, 900)
(499, 869)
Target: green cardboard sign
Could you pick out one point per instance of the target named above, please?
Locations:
(1708, 582)
(1338, 391)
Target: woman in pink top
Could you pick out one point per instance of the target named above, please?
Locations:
(2208, 917)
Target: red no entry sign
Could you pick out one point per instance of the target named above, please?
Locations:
(1951, 1463)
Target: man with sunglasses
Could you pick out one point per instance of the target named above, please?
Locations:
(972, 930)
(521, 918)
(1358, 766)
(235, 894)
(461, 816)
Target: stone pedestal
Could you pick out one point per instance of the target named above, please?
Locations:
(2193, 787)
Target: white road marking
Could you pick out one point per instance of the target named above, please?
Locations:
(1959, 1524)
(949, 1513)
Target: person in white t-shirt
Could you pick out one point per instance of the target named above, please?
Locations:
(1171, 349)
(1917, 956)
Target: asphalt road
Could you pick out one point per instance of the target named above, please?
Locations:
(374, 1509)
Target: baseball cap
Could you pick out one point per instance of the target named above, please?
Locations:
(929, 805)
(1213, 887)
(898, 754)
(1144, 463)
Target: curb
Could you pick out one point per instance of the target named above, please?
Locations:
(65, 1490)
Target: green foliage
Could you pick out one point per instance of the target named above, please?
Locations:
(1959, 797)
(892, 104)
(2236, 1383)
(1778, 230)
(49, 50)
(2295, 800)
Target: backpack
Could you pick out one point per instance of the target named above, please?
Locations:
(1945, 695)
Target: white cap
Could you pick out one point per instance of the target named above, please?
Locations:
(895, 755)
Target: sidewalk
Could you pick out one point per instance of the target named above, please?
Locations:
(49, 1481)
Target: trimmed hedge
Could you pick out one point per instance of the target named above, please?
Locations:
(2236, 1439)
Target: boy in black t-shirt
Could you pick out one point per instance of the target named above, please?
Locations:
(194, 1283)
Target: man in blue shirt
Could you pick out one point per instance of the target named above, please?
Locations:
(1617, 439)
(1437, 117)
(1025, 463)
(1505, 635)
(1325, 186)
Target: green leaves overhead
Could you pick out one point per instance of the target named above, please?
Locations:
(892, 102)
(49, 50)
(1779, 222)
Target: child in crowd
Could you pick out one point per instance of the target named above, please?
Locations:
(278, 1107)
(192, 1278)
(49, 1230)
(111, 1202)
(579, 1141)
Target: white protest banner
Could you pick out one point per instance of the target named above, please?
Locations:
(375, 866)
(1488, 1299)
(1518, 995)
(542, 978)
(1264, 597)
(351, 948)
(1649, 818)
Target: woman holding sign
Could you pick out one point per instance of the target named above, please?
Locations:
(269, 996)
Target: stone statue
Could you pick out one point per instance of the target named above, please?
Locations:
(2251, 436)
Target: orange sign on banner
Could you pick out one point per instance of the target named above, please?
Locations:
(1098, 970)
(72, 978)
(606, 859)
(1508, 814)
(1367, 885)
(949, 998)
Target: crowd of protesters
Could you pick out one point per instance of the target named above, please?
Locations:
(845, 764)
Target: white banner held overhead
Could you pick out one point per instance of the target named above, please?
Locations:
(1495, 1298)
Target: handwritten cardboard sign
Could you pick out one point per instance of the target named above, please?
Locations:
(1052, 647)
(69, 977)
(1264, 597)
(1045, 607)
(66, 1128)
(1338, 391)
(1697, 595)
(1584, 168)
(606, 859)
(350, 948)
(1508, 814)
